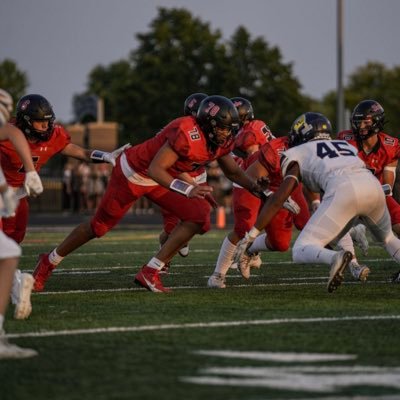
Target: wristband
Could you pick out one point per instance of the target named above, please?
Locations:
(253, 232)
(387, 189)
(97, 156)
(292, 176)
(315, 202)
(181, 187)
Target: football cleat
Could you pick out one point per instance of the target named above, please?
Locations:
(184, 251)
(21, 294)
(216, 281)
(8, 350)
(339, 263)
(149, 278)
(396, 277)
(42, 272)
(359, 272)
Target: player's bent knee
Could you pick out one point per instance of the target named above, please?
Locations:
(99, 229)
(278, 245)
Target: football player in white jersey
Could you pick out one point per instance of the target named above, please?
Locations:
(350, 191)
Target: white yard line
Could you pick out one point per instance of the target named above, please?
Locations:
(202, 325)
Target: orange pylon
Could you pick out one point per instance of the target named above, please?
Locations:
(220, 218)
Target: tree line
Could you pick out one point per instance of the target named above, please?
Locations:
(180, 54)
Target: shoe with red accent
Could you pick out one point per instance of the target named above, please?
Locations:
(149, 278)
(42, 272)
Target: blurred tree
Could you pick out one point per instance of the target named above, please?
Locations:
(257, 72)
(181, 55)
(13, 79)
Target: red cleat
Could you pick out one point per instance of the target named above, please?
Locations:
(42, 272)
(149, 278)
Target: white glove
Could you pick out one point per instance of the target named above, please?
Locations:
(289, 203)
(241, 257)
(33, 184)
(10, 203)
(111, 157)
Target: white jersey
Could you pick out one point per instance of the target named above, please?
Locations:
(321, 160)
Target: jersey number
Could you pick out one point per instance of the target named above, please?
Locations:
(333, 149)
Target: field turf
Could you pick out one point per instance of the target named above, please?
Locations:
(279, 335)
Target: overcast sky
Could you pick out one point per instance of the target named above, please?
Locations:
(58, 42)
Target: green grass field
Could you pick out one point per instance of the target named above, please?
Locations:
(280, 335)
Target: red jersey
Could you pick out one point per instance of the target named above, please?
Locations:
(254, 132)
(385, 151)
(41, 152)
(187, 140)
(270, 156)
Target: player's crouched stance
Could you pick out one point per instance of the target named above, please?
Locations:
(152, 169)
(350, 191)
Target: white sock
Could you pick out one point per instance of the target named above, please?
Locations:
(346, 243)
(54, 258)
(259, 244)
(155, 263)
(225, 257)
(1, 322)
(313, 254)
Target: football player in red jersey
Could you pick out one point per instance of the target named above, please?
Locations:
(262, 159)
(35, 118)
(378, 150)
(252, 134)
(190, 107)
(9, 250)
(152, 169)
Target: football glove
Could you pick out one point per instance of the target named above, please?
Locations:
(289, 203)
(241, 256)
(33, 184)
(10, 203)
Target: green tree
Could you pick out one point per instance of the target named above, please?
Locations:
(13, 79)
(371, 81)
(257, 72)
(181, 55)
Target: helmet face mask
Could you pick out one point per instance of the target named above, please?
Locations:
(34, 107)
(309, 126)
(367, 119)
(192, 103)
(219, 120)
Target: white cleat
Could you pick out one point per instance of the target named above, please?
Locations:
(339, 263)
(12, 351)
(216, 281)
(255, 261)
(21, 294)
(359, 272)
(184, 251)
(359, 235)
